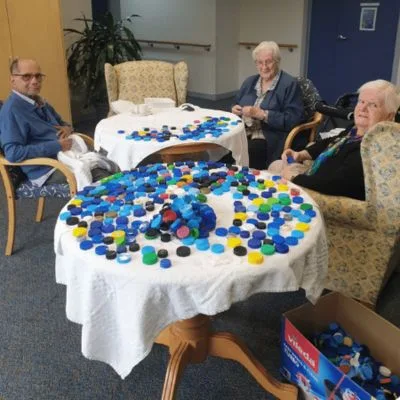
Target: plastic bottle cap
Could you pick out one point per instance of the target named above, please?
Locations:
(149, 258)
(240, 251)
(165, 263)
(255, 258)
(268, 249)
(217, 248)
(183, 251)
(233, 242)
(124, 258)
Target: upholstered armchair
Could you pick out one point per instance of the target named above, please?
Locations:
(364, 235)
(135, 80)
(306, 132)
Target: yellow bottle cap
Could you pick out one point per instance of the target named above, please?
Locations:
(258, 201)
(255, 258)
(79, 232)
(76, 202)
(269, 183)
(118, 234)
(241, 215)
(302, 226)
(234, 242)
(282, 187)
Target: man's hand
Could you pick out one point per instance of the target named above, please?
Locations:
(253, 112)
(63, 131)
(66, 144)
(237, 110)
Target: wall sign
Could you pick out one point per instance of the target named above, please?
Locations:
(368, 18)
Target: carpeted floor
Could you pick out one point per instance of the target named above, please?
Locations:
(40, 356)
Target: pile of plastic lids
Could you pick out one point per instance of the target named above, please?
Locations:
(210, 127)
(130, 209)
(354, 360)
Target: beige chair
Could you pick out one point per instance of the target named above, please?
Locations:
(135, 80)
(363, 236)
(17, 186)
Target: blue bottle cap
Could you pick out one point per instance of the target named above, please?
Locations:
(148, 249)
(221, 231)
(217, 248)
(101, 250)
(260, 235)
(298, 200)
(244, 234)
(278, 239)
(292, 241)
(281, 248)
(124, 258)
(65, 215)
(165, 263)
(86, 245)
(254, 243)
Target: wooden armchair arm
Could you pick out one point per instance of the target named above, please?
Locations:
(88, 140)
(69, 175)
(313, 124)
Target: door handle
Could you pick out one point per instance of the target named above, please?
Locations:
(341, 37)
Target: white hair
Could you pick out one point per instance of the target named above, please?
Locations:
(268, 46)
(389, 92)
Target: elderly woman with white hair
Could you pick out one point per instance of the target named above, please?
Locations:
(271, 104)
(335, 164)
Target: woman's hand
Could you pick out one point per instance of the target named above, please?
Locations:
(254, 112)
(237, 110)
(296, 156)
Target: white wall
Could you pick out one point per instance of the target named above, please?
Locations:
(74, 9)
(189, 21)
(221, 23)
(265, 20)
(227, 39)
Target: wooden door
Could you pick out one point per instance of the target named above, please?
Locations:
(6, 52)
(36, 32)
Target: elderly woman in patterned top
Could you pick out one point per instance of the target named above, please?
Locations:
(271, 104)
(335, 164)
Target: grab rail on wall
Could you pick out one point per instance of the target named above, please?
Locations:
(177, 45)
(249, 45)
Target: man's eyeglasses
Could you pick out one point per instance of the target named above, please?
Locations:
(29, 77)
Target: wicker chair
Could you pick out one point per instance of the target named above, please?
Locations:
(135, 80)
(364, 235)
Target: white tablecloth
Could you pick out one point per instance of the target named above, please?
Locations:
(122, 308)
(128, 153)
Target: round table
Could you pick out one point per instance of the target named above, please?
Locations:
(125, 307)
(203, 129)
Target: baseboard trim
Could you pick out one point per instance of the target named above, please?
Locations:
(213, 97)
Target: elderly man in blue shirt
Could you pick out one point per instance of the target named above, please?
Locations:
(30, 127)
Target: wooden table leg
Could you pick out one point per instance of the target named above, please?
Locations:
(191, 341)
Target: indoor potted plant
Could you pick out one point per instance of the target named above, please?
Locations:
(103, 40)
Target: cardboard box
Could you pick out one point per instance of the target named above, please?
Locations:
(304, 365)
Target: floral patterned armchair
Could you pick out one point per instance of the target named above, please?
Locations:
(364, 245)
(135, 80)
